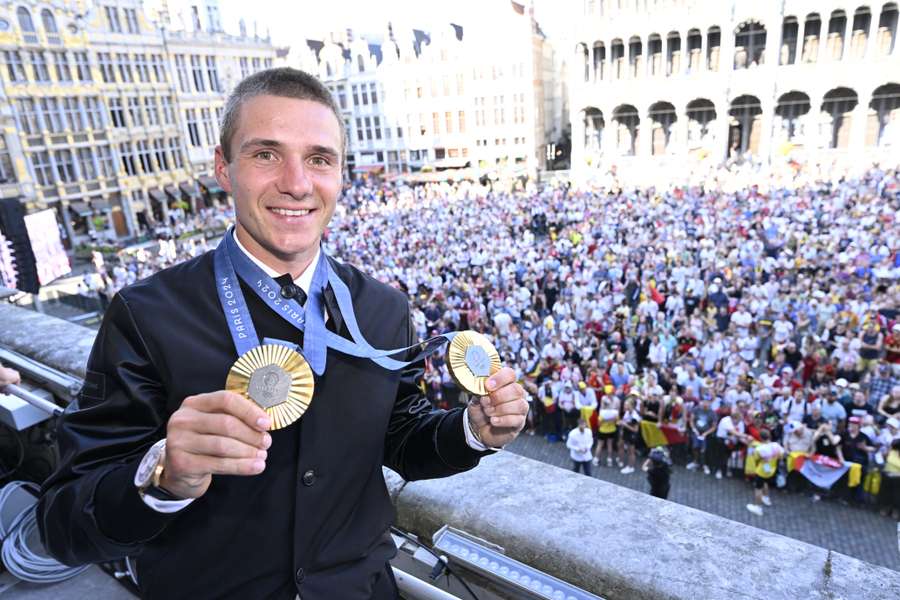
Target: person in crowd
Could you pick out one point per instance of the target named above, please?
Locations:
(767, 453)
(579, 442)
(658, 467)
(607, 420)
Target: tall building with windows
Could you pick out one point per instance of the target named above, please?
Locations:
(661, 81)
(442, 98)
(97, 120)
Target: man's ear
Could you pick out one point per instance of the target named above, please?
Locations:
(221, 170)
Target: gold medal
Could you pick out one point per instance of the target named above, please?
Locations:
(471, 360)
(276, 378)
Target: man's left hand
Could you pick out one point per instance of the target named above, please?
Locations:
(500, 416)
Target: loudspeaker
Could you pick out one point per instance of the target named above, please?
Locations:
(12, 224)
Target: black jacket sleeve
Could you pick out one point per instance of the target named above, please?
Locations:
(90, 510)
(422, 442)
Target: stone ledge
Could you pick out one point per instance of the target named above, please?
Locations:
(619, 543)
(54, 342)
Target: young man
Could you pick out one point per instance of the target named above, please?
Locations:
(238, 511)
(702, 422)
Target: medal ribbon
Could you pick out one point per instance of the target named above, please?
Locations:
(231, 263)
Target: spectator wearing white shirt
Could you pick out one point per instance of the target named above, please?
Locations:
(579, 442)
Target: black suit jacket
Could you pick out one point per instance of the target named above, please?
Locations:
(315, 522)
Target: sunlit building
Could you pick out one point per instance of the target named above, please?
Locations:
(445, 97)
(99, 121)
(658, 81)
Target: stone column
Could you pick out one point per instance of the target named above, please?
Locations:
(857, 144)
(801, 34)
(848, 32)
(773, 44)
(645, 127)
(577, 158)
(726, 48)
(720, 131)
(703, 49)
(765, 138)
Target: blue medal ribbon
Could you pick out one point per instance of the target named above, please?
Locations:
(230, 263)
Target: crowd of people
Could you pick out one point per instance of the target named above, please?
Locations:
(751, 325)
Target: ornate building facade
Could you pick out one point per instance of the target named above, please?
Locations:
(659, 81)
(98, 121)
(443, 98)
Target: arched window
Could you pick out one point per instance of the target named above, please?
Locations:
(48, 21)
(50, 27)
(27, 25)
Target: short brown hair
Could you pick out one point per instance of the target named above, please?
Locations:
(284, 82)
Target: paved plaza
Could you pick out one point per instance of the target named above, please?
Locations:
(857, 532)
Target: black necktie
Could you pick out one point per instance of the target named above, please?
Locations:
(289, 289)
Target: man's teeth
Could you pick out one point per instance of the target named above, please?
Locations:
(290, 213)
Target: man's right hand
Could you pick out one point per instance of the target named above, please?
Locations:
(220, 433)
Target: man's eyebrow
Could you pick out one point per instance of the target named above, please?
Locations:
(259, 143)
(327, 150)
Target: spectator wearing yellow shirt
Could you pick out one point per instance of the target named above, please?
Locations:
(607, 429)
(768, 453)
(889, 496)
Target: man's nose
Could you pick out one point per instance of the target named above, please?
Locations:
(295, 180)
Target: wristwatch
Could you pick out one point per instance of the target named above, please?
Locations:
(150, 471)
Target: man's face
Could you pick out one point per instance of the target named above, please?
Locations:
(285, 174)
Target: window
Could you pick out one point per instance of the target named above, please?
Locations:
(213, 74)
(51, 115)
(256, 64)
(365, 94)
(373, 92)
(168, 111)
(74, 121)
(342, 97)
(245, 67)
(65, 166)
(50, 27)
(399, 132)
(26, 25)
(134, 112)
(116, 113)
(377, 125)
(359, 130)
(159, 147)
(152, 110)
(127, 154)
(39, 66)
(177, 156)
(94, 111)
(195, 16)
(159, 69)
(462, 121)
(86, 163)
(82, 66)
(61, 61)
(40, 166)
(368, 129)
(208, 129)
(212, 13)
(197, 70)
(190, 117)
(131, 21)
(112, 19)
(355, 91)
(29, 121)
(106, 161)
(184, 83)
(448, 121)
(106, 67)
(142, 67)
(435, 123)
(14, 65)
(143, 152)
(268, 63)
(7, 173)
(125, 74)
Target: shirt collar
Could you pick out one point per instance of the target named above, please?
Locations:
(305, 279)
